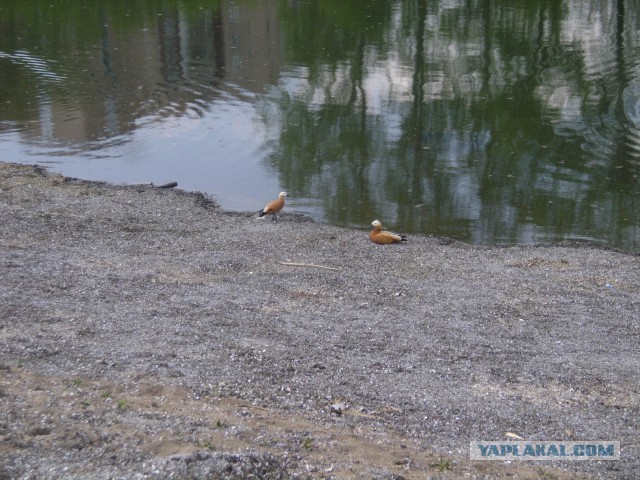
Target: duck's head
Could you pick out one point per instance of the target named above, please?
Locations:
(376, 224)
(283, 194)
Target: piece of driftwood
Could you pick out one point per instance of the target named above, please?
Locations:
(168, 185)
(291, 264)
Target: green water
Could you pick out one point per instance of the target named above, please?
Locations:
(490, 122)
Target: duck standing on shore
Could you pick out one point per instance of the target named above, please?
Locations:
(384, 237)
(273, 207)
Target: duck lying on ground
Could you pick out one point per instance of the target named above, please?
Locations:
(384, 237)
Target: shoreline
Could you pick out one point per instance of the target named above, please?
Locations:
(146, 330)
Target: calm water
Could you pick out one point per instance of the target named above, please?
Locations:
(486, 121)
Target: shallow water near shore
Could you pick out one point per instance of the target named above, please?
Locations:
(492, 124)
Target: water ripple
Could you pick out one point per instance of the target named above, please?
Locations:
(631, 100)
(35, 64)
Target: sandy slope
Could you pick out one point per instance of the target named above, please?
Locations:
(146, 333)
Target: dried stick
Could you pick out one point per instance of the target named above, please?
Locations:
(291, 264)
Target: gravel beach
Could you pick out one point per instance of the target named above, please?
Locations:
(146, 333)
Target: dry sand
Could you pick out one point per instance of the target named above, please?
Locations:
(146, 333)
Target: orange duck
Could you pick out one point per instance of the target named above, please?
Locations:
(384, 237)
(272, 208)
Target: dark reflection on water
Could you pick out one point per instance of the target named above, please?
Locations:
(490, 122)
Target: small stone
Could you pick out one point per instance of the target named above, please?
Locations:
(40, 430)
